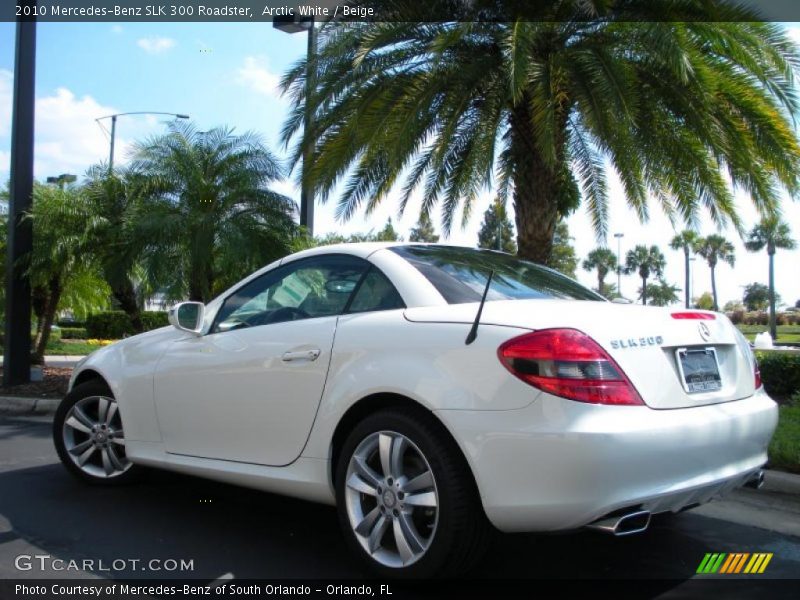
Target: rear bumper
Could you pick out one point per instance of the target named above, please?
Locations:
(558, 464)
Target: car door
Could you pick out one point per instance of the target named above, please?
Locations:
(249, 390)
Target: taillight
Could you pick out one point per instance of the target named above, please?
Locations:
(570, 364)
(694, 316)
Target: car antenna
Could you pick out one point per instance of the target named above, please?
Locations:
(473, 333)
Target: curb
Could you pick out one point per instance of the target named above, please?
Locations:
(21, 405)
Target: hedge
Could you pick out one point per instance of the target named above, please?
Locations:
(115, 324)
(780, 372)
(73, 333)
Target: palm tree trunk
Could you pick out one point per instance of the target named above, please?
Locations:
(714, 289)
(686, 272)
(53, 297)
(600, 283)
(125, 295)
(537, 190)
(773, 327)
(644, 291)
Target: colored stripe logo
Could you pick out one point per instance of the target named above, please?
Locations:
(734, 563)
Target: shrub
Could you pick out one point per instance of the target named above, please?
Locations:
(737, 316)
(780, 372)
(153, 319)
(55, 334)
(115, 324)
(73, 333)
(111, 324)
(781, 319)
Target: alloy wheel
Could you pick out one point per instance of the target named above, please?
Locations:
(391, 499)
(94, 438)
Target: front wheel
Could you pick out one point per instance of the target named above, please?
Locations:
(406, 499)
(89, 436)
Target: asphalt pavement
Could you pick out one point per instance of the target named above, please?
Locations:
(239, 534)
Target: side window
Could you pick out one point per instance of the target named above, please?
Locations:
(314, 287)
(376, 292)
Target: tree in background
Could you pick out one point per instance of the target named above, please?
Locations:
(771, 233)
(112, 198)
(686, 240)
(497, 231)
(424, 231)
(715, 248)
(732, 306)
(661, 293)
(756, 296)
(563, 258)
(705, 301)
(208, 216)
(538, 104)
(388, 233)
(605, 261)
(58, 217)
(645, 261)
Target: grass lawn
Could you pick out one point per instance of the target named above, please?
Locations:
(784, 450)
(72, 347)
(786, 333)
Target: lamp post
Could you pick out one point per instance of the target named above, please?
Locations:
(288, 24)
(17, 347)
(619, 237)
(114, 127)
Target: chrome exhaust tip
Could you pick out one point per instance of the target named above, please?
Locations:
(627, 524)
(756, 481)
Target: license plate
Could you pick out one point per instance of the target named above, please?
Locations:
(699, 369)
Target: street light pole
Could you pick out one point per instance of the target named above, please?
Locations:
(288, 24)
(114, 127)
(619, 237)
(17, 353)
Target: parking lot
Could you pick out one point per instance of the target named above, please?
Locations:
(237, 534)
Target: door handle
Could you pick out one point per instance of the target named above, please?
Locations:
(302, 355)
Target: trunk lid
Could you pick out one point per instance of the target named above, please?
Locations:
(643, 340)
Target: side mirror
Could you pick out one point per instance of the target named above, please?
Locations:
(187, 316)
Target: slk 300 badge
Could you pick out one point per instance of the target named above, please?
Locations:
(641, 342)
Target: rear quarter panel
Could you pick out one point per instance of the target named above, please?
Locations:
(383, 352)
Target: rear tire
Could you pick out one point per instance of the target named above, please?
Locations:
(89, 437)
(407, 502)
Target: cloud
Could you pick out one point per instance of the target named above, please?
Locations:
(117, 29)
(68, 140)
(255, 74)
(156, 45)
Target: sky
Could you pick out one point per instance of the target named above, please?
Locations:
(227, 74)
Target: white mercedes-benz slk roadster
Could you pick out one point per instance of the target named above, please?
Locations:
(432, 393)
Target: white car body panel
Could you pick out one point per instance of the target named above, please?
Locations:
(240, 382)
(225, 406)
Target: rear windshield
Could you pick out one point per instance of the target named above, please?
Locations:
(460, 274)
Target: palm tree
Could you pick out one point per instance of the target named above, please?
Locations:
(535, 104)
(208, 215)
(686, 241)
(771, 233)
(662, 293)
(605, 261)
(715, 248)
(58, 216)
(112, 197)
(646, 261)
